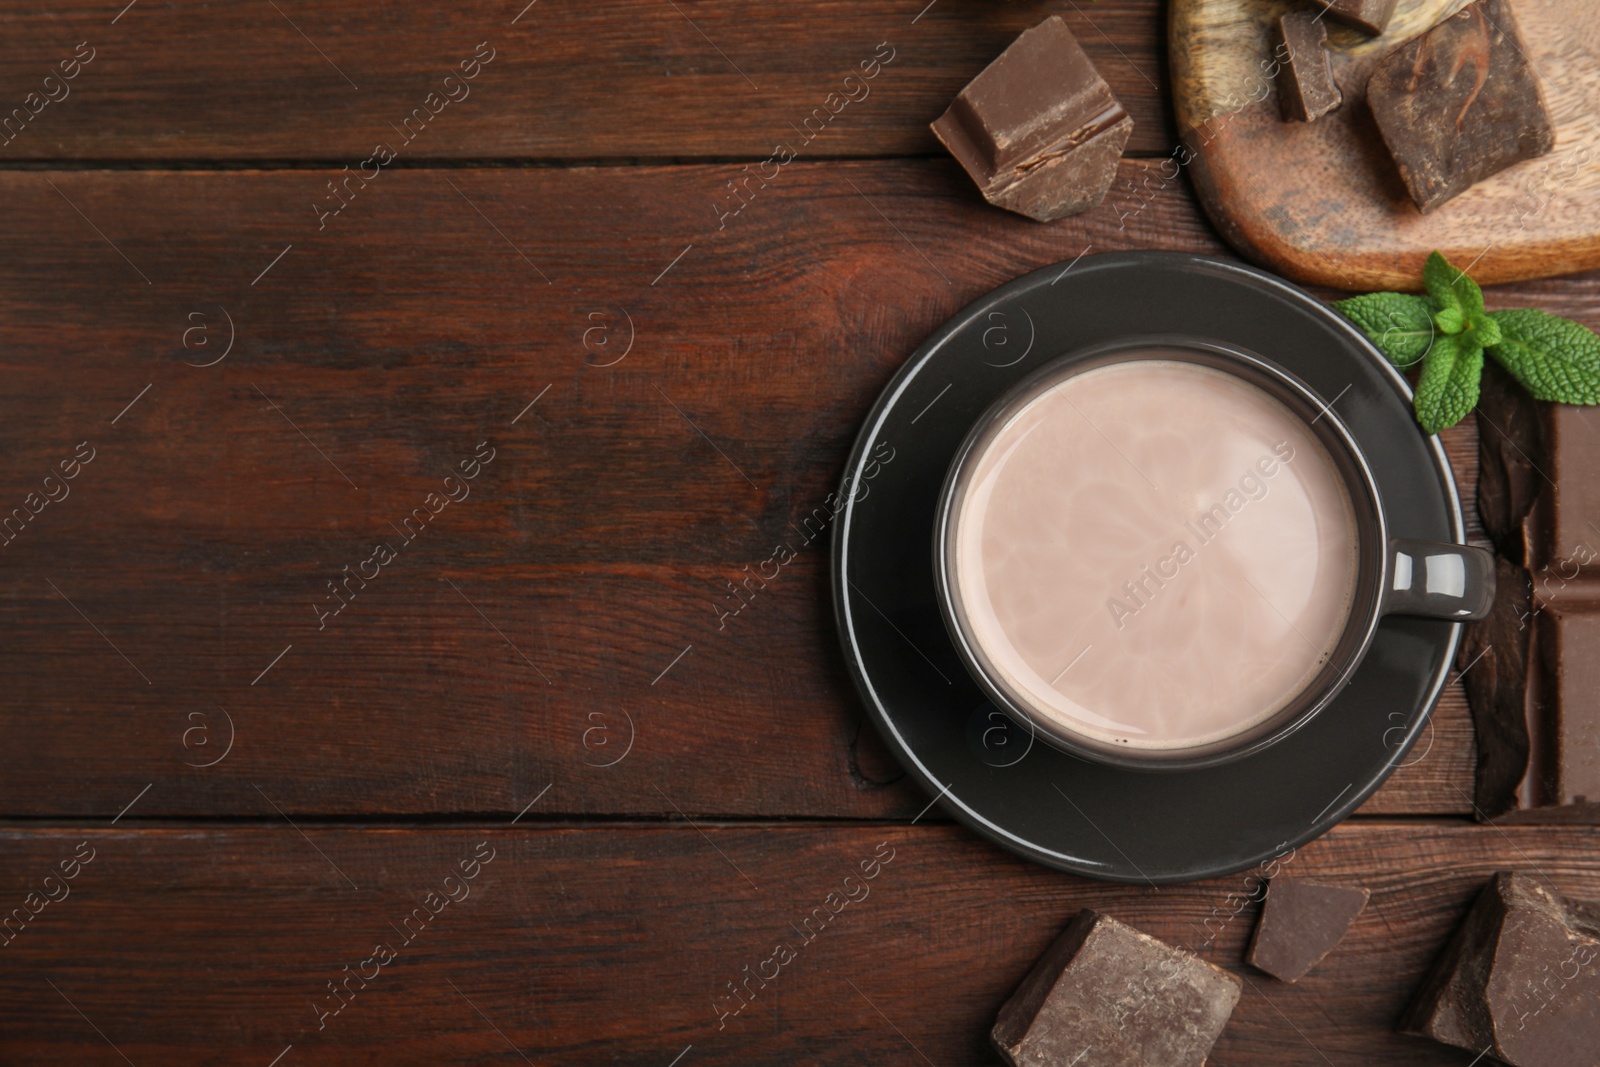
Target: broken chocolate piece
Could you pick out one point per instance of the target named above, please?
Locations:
(1370, 15)
(1493, 667)
(1039, 130)
(1510, 436)
(1300, 923)
(1306, 89)
(1459, 103)
(1520, 981)
(1494, 657)
(1106, 995)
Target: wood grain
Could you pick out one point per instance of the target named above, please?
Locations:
(629, 79)
(1322, 202)
(669, 373)
(613, 944)
(592, 552)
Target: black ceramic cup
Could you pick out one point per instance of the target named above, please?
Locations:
(1392, 576)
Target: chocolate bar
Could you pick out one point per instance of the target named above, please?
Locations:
(1530, 668)
(1519, 981)
(1106, 995)
(1301, 921)
(1459, 104)
(1306, 89)
(1038, 129)
(1562, 533)
(1564, 742)
(1371, 16)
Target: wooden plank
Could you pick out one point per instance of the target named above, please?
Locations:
(596, 545)
(608, 944)
(631, 79)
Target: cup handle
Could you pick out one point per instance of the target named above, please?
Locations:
(1438, 580)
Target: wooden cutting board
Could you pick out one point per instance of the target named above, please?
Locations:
(1322, 202)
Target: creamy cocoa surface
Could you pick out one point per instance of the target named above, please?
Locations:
(1154, 554)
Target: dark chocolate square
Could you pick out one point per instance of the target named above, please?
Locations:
(1106, 995)
(1301, 921)
(1039, 129)
(1460, 103)
(1306, 89)
(1520, 980)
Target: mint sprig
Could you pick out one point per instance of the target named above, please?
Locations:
(1450, 331)
(1399, 324)
(1554, 358)
(1448, 388)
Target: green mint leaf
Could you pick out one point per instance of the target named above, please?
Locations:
(1471, 295)
(1400, 325)
(1451, 320)
(1554, 358)
(1485, 331)
(1450, 287)
(1437, 274)
(1448, 388)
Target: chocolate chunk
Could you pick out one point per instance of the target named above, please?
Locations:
(1520, 980)
(1300, 923)
(1459, 103)
(1105, 995)
(1306, 89)
(1370, 15)
(1038, 129)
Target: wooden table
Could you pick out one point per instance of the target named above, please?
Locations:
(522, 748)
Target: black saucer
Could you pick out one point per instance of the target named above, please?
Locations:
(1091, 819)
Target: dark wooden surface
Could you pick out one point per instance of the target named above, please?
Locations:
(207, 527)
(628, 79)
(571, 599)
(607, 943)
